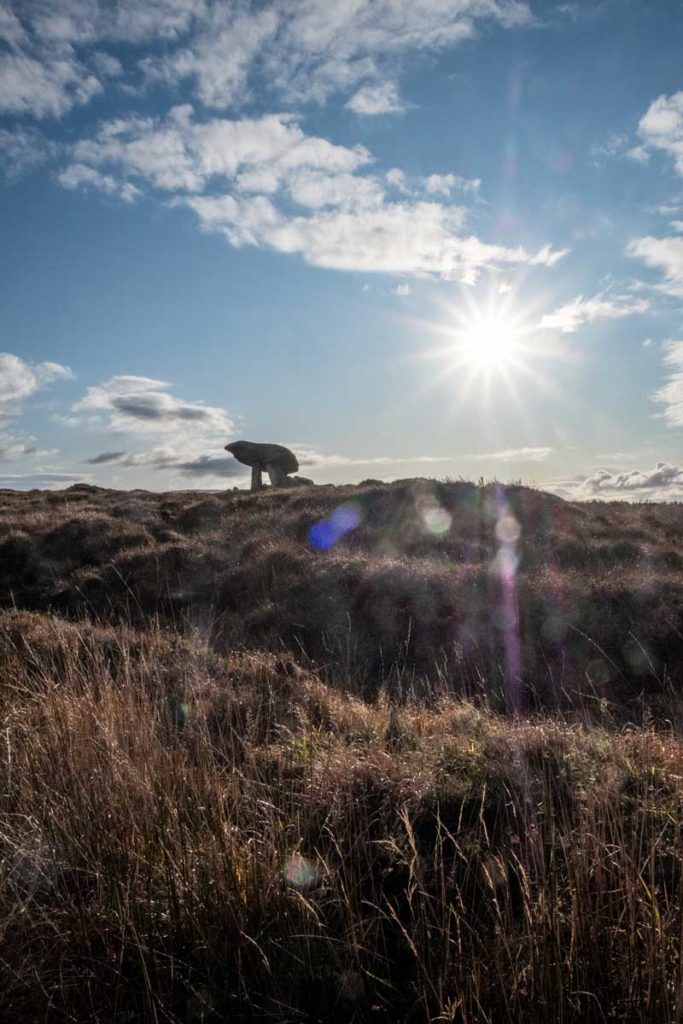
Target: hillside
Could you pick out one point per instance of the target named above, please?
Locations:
(427, 583)
(390, 752)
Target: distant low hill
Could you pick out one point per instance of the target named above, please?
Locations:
(502, 592)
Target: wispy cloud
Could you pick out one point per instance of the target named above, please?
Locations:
(143, 405)
(309, 51)
(191, 459)
(22, 149)
(82, 176)
(45, 481)
(376, 100)
(175, 459)
(105, 457)
(266, 183)
(670, 395)
(311, 457)
(661, 127)
(19, 380)
(665, 254)
(14, 448)
(46, 87)
(444, 184)
(528, 454)
(572, 315)
(303, 51)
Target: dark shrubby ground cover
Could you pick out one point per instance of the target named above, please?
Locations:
(430, 772)
(435, 581)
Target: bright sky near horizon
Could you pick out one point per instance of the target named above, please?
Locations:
(435, 238)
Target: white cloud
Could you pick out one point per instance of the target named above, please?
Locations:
(43, 88)
(671, 393)
(22, 149)
(142, 405)
(11, 29)
(614, 145)
(13, 448)
(638, 154)
(617, 456)
(311, 457)
(580, 311)
(665, 254)
(20, 380)
(308, 50)
(219, 59)
(180, 154)
(661, 127)
(664, 481)
(618, 145)
(258, 163)
(80, 175)
(191, 459)
(444, 184)
(375, 100)
(402, 290)
(299, 50)
(402, 238)
(134, 21)
(317, 189)
(45, 480)
(440, 184)
(395, 178)
(547, 256)
(531, 454)
(106, 65)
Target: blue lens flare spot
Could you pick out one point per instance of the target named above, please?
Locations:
(345, 518)
(322, 535)
(342, 520)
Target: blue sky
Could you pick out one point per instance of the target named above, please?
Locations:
(438, 238)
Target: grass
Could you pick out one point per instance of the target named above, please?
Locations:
(203, 820)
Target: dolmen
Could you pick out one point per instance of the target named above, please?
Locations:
(276, 460)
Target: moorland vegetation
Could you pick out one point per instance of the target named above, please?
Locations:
(406, 751)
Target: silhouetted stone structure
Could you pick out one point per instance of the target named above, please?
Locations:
(277, 461)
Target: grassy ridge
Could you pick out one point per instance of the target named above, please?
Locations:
(417, 590)
(247, 779)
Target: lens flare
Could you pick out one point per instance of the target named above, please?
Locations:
(344, 519)
(301, 872)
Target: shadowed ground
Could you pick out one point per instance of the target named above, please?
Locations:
(509, 592)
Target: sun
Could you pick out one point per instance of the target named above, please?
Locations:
(486, 348)
(487, 342)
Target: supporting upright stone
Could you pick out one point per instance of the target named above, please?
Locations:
(278, 477)
(256, 478)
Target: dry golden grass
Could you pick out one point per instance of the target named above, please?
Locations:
(219, 802)
(186, 837)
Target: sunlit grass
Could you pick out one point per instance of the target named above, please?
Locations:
(289, 852)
